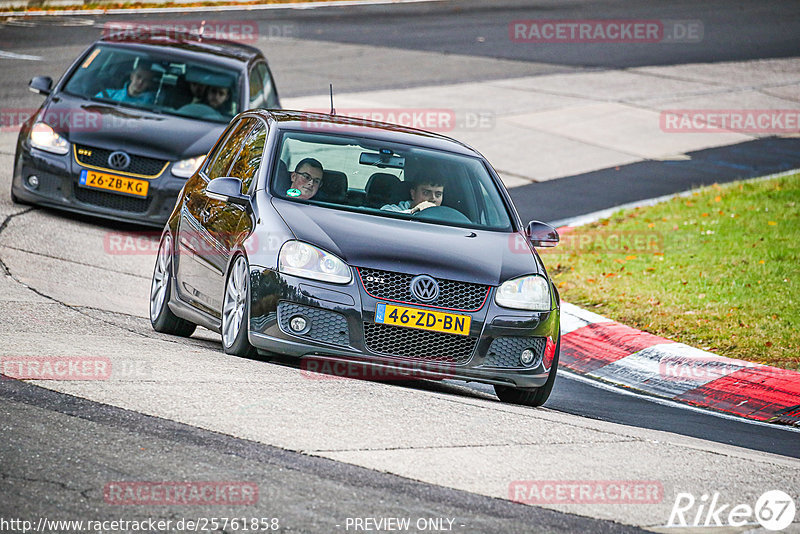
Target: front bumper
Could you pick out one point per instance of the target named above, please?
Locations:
(343, 337)
(59, 188)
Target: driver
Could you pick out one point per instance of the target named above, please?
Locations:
(425, 193)
(306, 179)
(136, 90)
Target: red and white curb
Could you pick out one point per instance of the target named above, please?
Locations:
(597, 347)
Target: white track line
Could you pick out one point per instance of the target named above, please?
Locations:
(12, 55)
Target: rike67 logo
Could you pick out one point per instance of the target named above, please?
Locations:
(774, 510)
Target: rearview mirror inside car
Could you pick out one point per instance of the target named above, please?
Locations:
(382, 160)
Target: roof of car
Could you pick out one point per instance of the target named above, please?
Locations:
(340, 124)
(186, 41)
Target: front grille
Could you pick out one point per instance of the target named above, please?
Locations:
(98, 157)
(504, 352)
(326, 326)
(112, 200)
(397, 286)
(418, 344)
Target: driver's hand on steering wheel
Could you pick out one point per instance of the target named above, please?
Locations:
(422, 206)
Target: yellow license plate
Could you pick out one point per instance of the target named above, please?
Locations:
(118, 184)
(436, 321)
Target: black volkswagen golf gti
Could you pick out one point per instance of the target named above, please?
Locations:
(362, 244)
(131, 120)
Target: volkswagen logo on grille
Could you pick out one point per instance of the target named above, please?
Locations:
(424, 288)
(119, 160)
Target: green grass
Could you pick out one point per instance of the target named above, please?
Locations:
(718, 270)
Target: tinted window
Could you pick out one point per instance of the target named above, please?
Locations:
(158, 81)
(245, 166)
(219, 162)
(262, 89)
(384, 179)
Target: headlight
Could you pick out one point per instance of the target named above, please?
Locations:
(301, 259)
(187, 167)
(525, 293)
(44, 138)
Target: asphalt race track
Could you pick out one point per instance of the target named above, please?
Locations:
(323, 452)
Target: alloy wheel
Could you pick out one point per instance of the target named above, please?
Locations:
(234, 302)
(161, 275)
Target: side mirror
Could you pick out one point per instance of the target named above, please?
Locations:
(541, 234)
(227, 189)
(41, 84)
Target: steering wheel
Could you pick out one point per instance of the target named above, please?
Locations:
(442, 214)
(200, 110)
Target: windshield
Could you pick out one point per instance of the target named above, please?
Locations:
(388, 180)
(157, 82)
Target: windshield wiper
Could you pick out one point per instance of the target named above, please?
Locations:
(118, 103)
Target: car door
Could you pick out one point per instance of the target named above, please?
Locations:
(196, 249)
(192, 203)
(225, 222)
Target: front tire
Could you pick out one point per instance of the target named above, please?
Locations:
(236, 310)
(161, 317)
(534, 397)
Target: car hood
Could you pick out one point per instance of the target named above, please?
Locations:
(155, 135)
(362, 240)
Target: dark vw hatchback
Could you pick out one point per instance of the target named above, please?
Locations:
(131, 120)
(360, 245)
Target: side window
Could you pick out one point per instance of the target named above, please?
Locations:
(488, 209)
(220, 161)
(269, 90)
(262, 90)
(245, 166)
